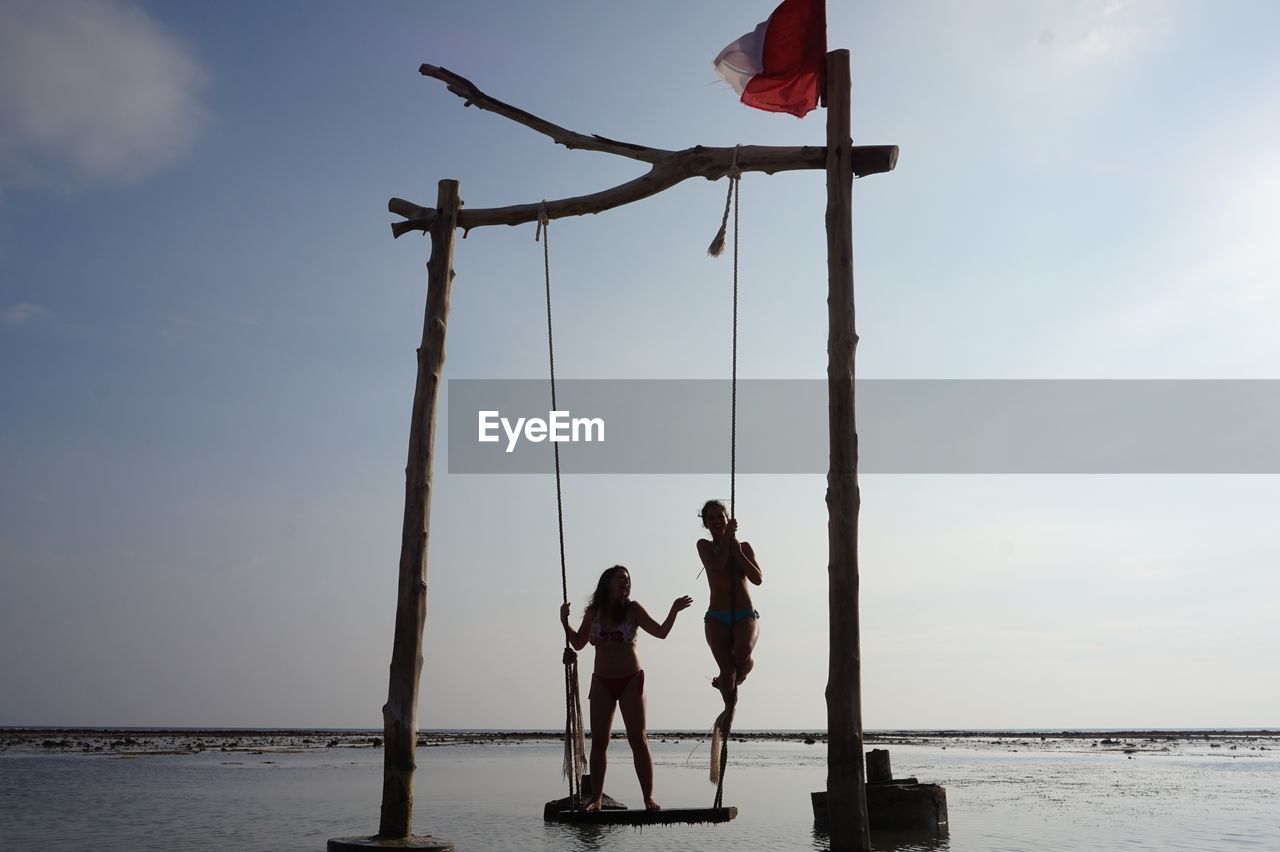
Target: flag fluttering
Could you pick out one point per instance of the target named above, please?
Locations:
(781, 65)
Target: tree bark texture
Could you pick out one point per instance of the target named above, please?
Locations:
(400, 714)
(845, 788)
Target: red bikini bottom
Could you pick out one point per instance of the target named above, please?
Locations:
(615, 686)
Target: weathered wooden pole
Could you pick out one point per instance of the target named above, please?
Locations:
(400, 713)
(846, 792)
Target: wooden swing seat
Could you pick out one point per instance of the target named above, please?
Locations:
(666, 816)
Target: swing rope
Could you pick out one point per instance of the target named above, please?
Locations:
(735, 178)
(720, 733)
(575, 748)
(715, 250)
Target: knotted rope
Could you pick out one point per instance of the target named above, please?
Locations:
(575, 748)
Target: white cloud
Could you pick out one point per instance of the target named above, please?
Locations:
(91, 91)
(21, 313)
(1108, 29)
(1085, 32)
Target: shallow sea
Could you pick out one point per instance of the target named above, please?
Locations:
(1003, 795)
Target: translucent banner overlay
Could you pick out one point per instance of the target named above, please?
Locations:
(904, 426)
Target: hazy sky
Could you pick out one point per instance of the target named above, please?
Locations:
(207, 338)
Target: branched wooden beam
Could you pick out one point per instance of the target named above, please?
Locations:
(667, 168)
(465, 89)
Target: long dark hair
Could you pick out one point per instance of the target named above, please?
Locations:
(600, 598)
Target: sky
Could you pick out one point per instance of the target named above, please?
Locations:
(207, 340)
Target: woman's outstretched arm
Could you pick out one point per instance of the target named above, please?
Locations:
(645, 621)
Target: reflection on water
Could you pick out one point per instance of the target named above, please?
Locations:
(893, 841)
(902, 841)
(584, 836)
(1001, 796)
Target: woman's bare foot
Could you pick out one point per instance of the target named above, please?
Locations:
(594, 805)
(651, 805)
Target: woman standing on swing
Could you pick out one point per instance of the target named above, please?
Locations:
(610, 624)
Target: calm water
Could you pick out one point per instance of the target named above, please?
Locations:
(1060, 795)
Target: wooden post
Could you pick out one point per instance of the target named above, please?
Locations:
(845, 787)
(879, 769)
(400, 714)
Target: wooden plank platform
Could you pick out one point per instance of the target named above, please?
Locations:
(666, 816)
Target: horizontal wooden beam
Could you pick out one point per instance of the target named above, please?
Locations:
(709, 163)
(667, 168)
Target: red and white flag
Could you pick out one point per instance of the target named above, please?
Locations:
(781, 65)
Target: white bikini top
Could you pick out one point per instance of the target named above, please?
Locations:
(624, 632)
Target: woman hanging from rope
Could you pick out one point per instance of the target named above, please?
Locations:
(731, 621)
(610, 624)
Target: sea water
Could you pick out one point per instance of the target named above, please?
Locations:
(1002, 794)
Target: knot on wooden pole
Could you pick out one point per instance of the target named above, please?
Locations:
(735, 174)
(543, 221)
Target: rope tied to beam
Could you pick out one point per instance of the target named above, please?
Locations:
(543, 222)
(735, 175)
(575, 747)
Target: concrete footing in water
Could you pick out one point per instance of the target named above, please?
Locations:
(413, 841)
(895, 804)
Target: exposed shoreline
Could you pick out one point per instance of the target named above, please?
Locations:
(141, 741)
